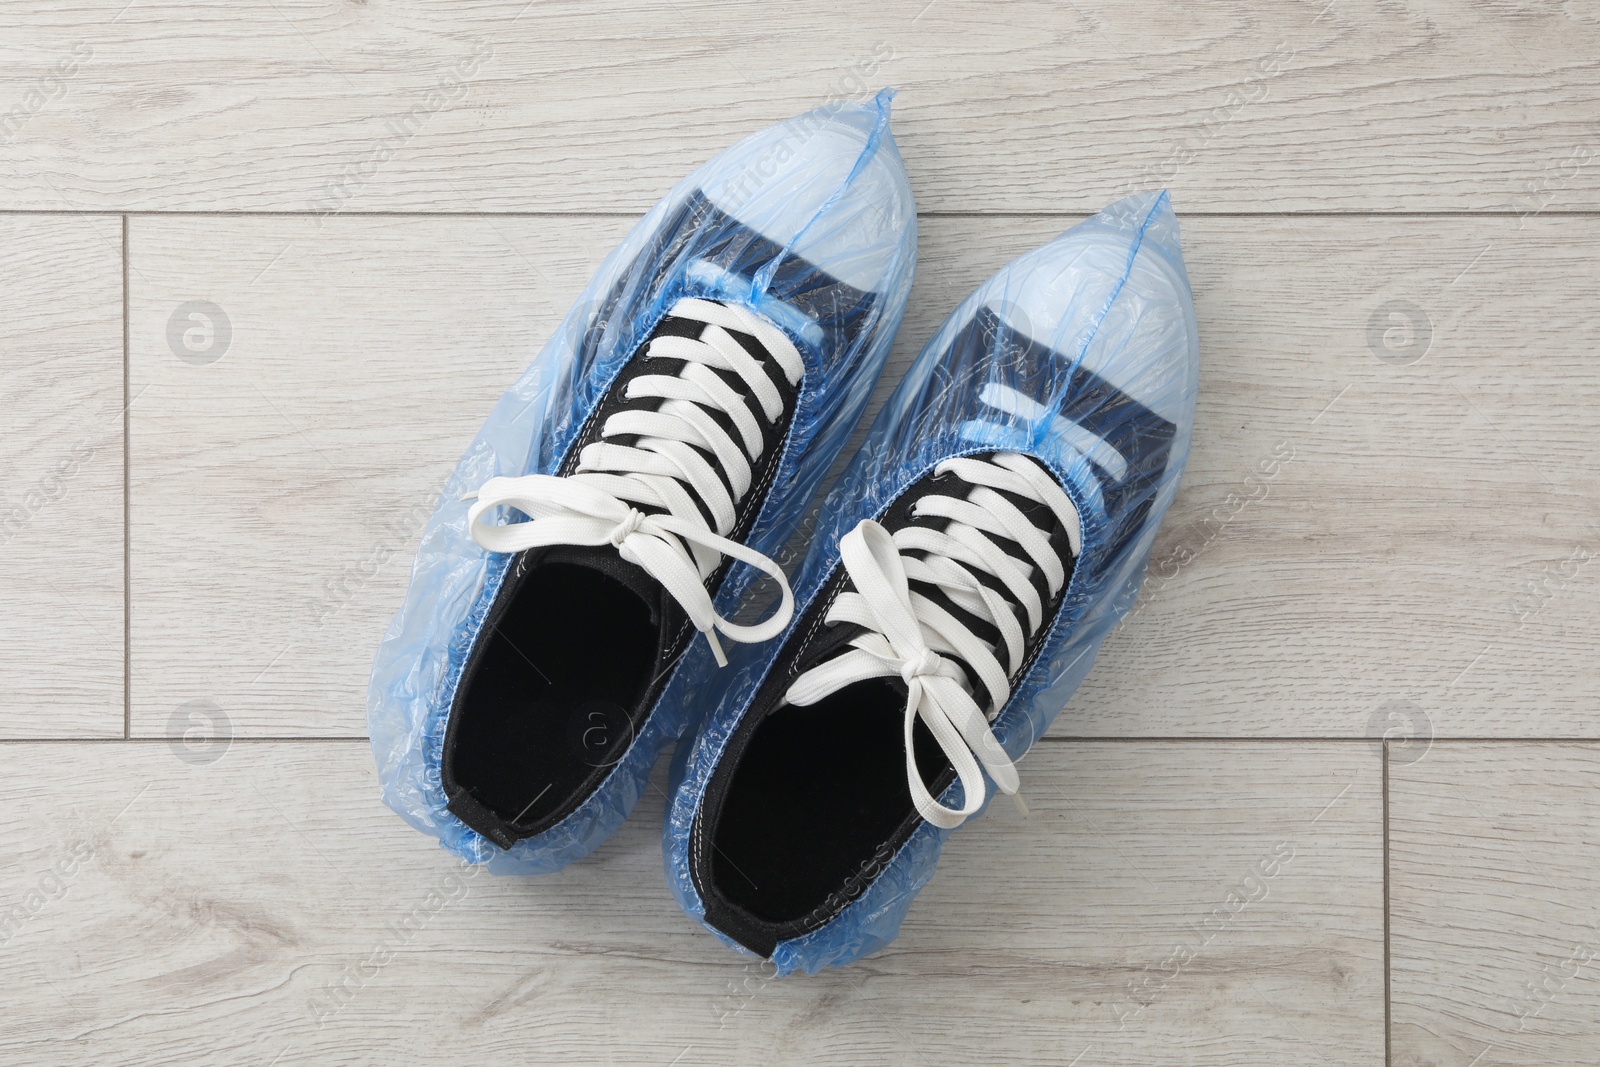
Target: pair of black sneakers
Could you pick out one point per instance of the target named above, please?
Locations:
(572, 608)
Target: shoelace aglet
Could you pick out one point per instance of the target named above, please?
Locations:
(716, 647)
(1016, 798)
(473, 495)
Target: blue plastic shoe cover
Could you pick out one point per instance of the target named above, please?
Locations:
(1079, 359)
(810, 225)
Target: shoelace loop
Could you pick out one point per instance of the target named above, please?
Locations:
(911, 637)
(666, 469)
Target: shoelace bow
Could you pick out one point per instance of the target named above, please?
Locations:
(666, 469)
(910, 636)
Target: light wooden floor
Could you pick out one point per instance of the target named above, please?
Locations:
(1373, 674)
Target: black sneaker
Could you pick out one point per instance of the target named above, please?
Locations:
(556, 632)
(965, 569)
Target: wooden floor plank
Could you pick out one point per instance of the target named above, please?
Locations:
(1417, 557)
(308, 105)
(1359, 541)
(187, 905)
(61, 630)
(1495, 932)
(282, 471)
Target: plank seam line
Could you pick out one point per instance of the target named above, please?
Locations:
(1388, 983)
(1573, 213)
(127, 572)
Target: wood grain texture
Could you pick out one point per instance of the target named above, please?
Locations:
(1428, 534)
(1424, 536)
(1494, 927)
(296, 105)
(206, 908)
(61, 628)
(279, 489)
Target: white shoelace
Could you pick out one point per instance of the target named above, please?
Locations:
(666, 468)
(909, 636)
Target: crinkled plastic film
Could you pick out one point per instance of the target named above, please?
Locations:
(1097, 331)
(810, 222)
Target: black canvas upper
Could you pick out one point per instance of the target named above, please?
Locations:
(808, 804)
(528, 740)
(510, 770)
